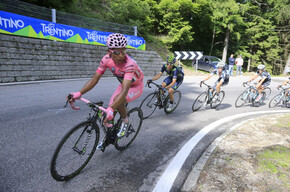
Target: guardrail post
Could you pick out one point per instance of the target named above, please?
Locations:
(53, 15)
(135, 30)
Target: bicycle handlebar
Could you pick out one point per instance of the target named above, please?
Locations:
(205, 85)
(157, 85)
(88, 102)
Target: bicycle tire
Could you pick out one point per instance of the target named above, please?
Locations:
(275, 100)
(135, 116)
(176, 100)
(217, 99)
(199, 102)
(147, 106)
(243, 97)
(257, 103)
(63, 167)
(267, 91)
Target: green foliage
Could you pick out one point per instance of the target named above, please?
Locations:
(259, 30)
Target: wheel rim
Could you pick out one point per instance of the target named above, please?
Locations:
(217, 99)
(148, 106)
(275, 101)
(135, 119)
(176, 100)
(241, 99)
(199, 102)
(74, 151)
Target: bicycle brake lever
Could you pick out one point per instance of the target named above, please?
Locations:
(67, 100)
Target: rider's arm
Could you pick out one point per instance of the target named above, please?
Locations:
(285, 82)
(261, 81)
(208, 77)
(91, 83)
(126, 84)
(254, 77)
(157, 76)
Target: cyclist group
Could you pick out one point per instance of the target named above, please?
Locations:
(131, 78)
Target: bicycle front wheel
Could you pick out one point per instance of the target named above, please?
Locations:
(199, 102)
(176, 100)
(217, 99)
(242, 99)
(74, 151)
(149, 105)
(275, 100)
(135, 116)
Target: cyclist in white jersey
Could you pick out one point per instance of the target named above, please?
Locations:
(262, 83)
(223, 79)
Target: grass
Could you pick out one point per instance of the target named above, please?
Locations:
(276, 159)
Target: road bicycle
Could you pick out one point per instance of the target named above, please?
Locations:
(281, 98)
(250, 95)
(79, 144)
(159, 99)
(206, 98)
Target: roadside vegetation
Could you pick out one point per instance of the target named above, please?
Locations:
(256, 29)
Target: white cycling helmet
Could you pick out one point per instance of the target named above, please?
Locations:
(220, 64)
(116, 40)
(260, 67)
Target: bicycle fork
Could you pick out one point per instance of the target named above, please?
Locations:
(83, 150)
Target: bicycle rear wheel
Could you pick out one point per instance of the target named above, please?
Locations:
(135, 116)
(74, 151)
(217, 99)
(242, 99)
(267, 91)
(199, 102)
(149, 105)
(275, 100)
(176, 100)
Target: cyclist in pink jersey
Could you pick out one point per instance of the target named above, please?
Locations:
(127, 72)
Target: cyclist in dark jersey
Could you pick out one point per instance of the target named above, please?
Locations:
(173, 81)
(262, 83)
(223, 79)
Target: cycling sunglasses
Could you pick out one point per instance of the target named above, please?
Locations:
(117, 52)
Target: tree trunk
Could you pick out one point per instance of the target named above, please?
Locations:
(249, 65)
(225, 51)
(287, 66)
(212, 41)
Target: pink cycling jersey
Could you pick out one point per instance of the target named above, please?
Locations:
(129, 70)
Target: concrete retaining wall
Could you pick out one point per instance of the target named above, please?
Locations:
(29, 59)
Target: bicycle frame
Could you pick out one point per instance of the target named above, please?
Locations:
(99, 115)
(160, 94)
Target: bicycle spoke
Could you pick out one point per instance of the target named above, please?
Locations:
(176, 100)
(135, 119)
(275, 100)
(74, 151)
(199, 102)
(148, 105)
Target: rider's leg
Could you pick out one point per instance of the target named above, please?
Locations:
(170, 92)
(218, 86)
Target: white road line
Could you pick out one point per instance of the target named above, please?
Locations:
(168, 177)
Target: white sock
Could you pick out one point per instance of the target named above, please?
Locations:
(126, 120)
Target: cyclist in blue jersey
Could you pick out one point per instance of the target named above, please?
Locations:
(173, 81)
(223, 79)
(262, 83)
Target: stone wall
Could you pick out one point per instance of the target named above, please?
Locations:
(29, 59)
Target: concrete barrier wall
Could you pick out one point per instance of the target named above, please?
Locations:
(29, 59)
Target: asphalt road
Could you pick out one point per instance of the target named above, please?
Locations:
(33, 122)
